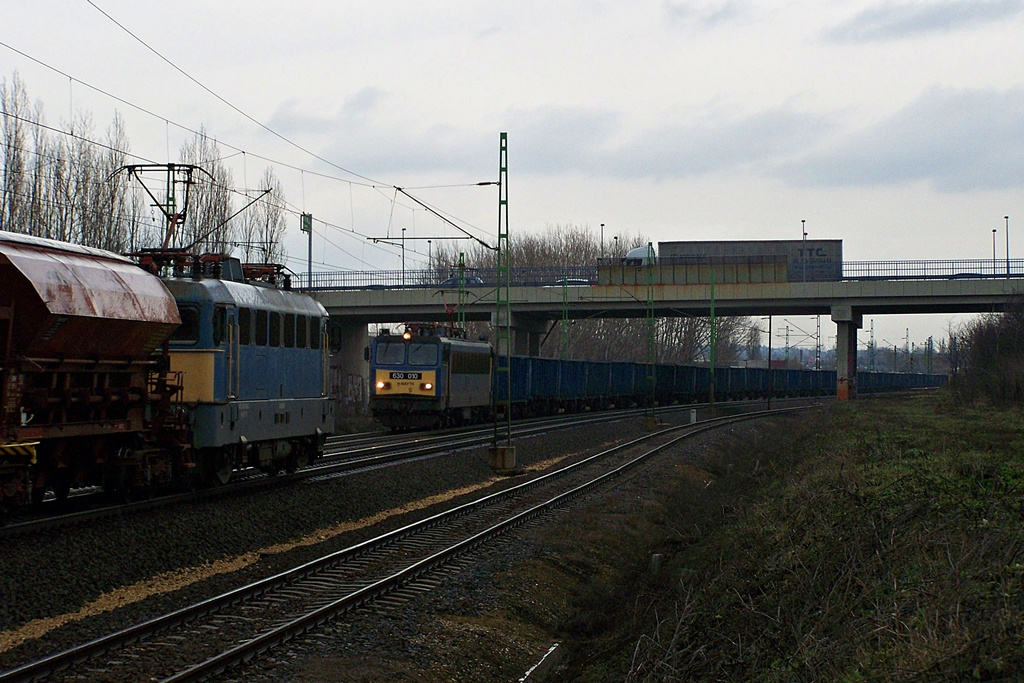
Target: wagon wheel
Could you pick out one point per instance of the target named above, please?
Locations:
(224, 466)
(301, 458)
(38, 495)
(217, 466)
(62, 484)
(125, 485)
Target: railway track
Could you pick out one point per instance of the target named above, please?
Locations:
(343, 455)
(222, 632)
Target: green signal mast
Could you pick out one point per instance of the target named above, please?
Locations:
(503, 455)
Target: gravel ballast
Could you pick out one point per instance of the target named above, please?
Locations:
(500, 609)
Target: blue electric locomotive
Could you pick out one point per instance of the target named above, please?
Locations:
(253, 361)
(427, 377)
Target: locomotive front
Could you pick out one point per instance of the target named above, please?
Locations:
(427, 377)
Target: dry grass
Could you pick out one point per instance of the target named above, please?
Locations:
(877, 541)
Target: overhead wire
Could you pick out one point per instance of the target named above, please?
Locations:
(224, 101)
(250, 118)
(181, 126)
(374, 184)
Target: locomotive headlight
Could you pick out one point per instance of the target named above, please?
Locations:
(427, 386)
(381, 385)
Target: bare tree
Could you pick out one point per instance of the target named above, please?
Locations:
(208, 224)
(752, 342)
(16, 113)
(112, 198)
(40, 200)
(263, 224)
(679, 339)
(86, 226)
(64, 189)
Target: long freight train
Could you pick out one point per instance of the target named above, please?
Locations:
(426, 378)
(113, 376)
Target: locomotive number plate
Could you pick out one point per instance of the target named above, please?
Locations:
(406, 375)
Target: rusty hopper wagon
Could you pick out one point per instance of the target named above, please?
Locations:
(79, 379)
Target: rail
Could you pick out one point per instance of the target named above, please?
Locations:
(580, 276)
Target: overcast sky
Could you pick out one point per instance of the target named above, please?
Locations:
(894, 125)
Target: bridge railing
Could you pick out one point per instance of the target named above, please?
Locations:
(587, 275)
(933, 270)
(446, 278)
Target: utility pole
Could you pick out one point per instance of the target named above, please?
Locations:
(872, 345)
(650, 331)
(714, 334)
(771, 376)
(817, 345)
(460, 312)
(803, 229)
(306, 225)
(787, 347)
(503, 457)
(906, 348)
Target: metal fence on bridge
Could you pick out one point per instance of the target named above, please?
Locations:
(933, 270)
(447, 279)
(575, 276)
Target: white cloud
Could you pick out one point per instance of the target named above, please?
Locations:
(959, 140)
(894, 20)
(703, 13)
(718, 144)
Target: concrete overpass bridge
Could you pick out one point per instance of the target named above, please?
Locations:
(762, 289)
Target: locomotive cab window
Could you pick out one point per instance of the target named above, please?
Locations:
(301, 330)
(188, 331)
(244, 325)
(289, 330)
(275, 329)
(261, 328)
(390, 353)
(314, 333)
(422, 354)
(220, 317)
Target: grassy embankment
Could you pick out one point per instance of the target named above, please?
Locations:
(880, 540)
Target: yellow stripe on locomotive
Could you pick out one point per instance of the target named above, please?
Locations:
(198, 373)
(405, 383)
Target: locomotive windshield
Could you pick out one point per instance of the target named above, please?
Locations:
(390, 353)
(188, 331)
(422, 354)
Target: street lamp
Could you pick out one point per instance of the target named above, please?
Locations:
(1007, 219)
(403, 257)
(993, 251)
(803, 228)
(602, 240)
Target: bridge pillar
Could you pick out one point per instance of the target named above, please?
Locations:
(527, 331)
(847, 323)
(348, 379)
